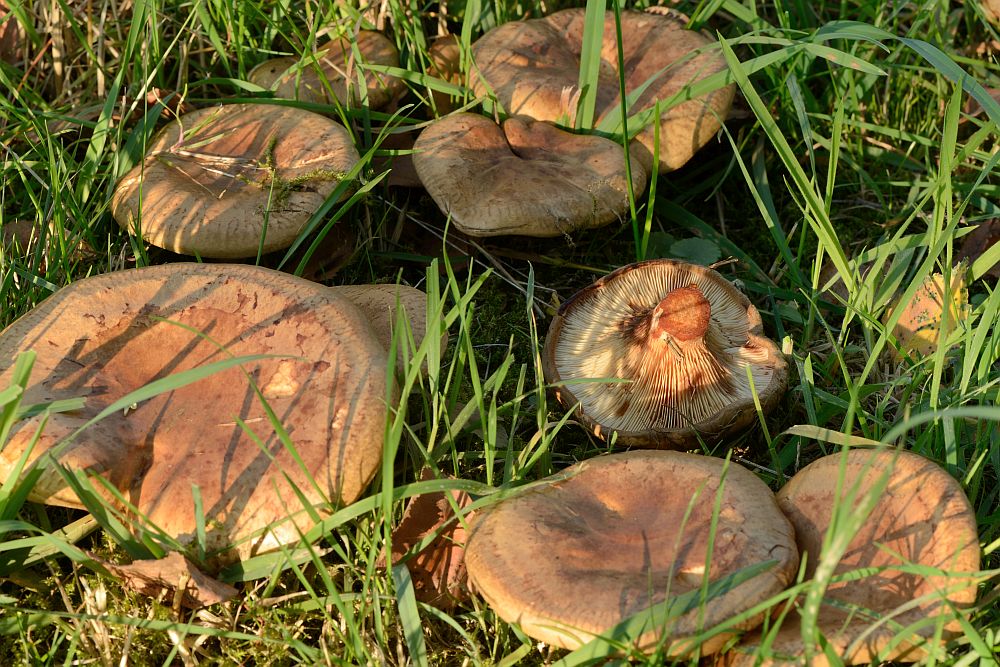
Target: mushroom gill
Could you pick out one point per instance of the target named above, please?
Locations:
(658, 350)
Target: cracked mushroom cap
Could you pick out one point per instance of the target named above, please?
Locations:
(922, 517)
(525, 177)
(332, 72)
(611, 536)
(379, 304)
(657, 352)
(104, 337)
(533, 69)
(214, 181)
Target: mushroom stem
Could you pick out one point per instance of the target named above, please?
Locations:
(684, 314)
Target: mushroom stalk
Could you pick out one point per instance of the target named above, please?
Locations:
(683, 314)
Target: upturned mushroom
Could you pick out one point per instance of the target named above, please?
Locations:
(658, 353)
(315, 362)
(612, 536)
(524, 177)
(229, 181)
(921, 517)
(532, 67)
(332, 72)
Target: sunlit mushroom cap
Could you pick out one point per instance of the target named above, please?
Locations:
(612, 536)
(524, 177)
(106, 336)
(533, 69)
(380, 303)
(332, 72)
(658, 353)
(922, 518)
(215, 180)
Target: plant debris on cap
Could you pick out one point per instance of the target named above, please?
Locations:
(533, 69)
(214, 181)
(611, 536)
(525, 177)
(921, 518)
(657, 352)
(332, 72)
(104, 337)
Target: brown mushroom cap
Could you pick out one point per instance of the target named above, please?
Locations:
(922, 517)
(332, 72)
(106, 336)
(213, 181)
(672, 342)
(524, 177)
(379, 303)
(533, 69)
(612, 536)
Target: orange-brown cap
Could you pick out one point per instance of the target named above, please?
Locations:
(533, 69)
(657, 352)
(609, 537)
(106, 336)
(525, 177)
(217, 181)
(920, 518)
(332, 72)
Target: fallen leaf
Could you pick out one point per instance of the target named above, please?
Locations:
(167, 575)
(437, 570)
(919, 325)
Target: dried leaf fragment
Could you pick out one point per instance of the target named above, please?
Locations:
(919, 326)
(169, 575)
(437, 570)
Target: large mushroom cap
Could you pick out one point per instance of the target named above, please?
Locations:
(612, 536)
(533, 69)
(333, 74)
(658, 351)
(104, 337)
(214, 181)
(921, 517)
(524, 177)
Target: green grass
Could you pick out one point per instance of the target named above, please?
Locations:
(854, 147)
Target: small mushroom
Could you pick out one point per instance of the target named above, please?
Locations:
(324, 378)
(379, 304)
(332, 72)
(525, 177)
(533, 69)
(227, 181)
(921, 517)
(609, 537)
(658, 353)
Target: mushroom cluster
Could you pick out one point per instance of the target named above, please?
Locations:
(313, 362)
(662, 353)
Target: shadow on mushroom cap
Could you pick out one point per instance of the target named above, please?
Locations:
(106, 336)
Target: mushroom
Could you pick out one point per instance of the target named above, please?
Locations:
(229, 181)
(607, 538)
(379, 304)
(332, 72)
(658, 352)
(532, 67)
(323, 374)
(921, 517)
(524, 177)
